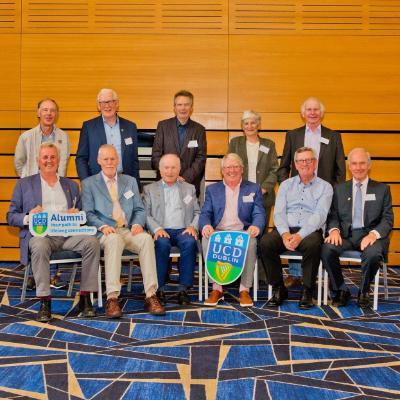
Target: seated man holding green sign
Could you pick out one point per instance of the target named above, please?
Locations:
(233, 204)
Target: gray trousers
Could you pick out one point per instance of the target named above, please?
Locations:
(41, 249)
(246, 279)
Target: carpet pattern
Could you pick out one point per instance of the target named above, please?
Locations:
(195, 352)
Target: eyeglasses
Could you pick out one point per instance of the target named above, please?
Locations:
(235, 167)
(107, 103)
(306, 161)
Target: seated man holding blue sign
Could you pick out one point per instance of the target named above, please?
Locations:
(172, 217)
(46, 191)
(301, 209)
(233, 205)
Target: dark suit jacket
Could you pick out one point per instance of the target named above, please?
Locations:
(93, 135)
(27, 195)
(378, 213)
(193, 159)
(267, 165)
(331, 162)
(250, 213)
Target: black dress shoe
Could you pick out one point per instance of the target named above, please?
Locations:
(279, 294)
(341, 298)
(306, 301)
(363, 300)
(44, 314)
(183, 298)
(161, 297)
(86, 309)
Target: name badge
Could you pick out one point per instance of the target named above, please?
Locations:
(249, 198)
(324, 140)
(128, 141)
(264, 149)
(370, 197)
(187, 199)
(192, 143)
(128, 194)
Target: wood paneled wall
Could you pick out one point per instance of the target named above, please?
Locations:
(233, 55)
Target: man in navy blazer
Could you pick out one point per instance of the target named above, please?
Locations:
(108, 128)
(365, 227)
(46, 191)
(233, 204)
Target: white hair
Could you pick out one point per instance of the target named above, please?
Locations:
(105, 91)
(321, 105)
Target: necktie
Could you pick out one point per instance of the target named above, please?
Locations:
(117, 212)
(357, 217)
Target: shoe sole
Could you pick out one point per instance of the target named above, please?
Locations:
(58, 287)
(158, 314)
(213, 304)
(306, 307)
(44, 320)
(246, 305)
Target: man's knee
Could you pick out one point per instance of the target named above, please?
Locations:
(372, 256)
(39, 245)
(162, 243)
(113, 239)
(267, 241)
(329, 250)
(91, 243)
(188, 242)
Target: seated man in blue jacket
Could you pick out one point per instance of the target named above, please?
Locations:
(231, 205)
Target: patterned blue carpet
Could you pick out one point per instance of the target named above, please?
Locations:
(196, 352)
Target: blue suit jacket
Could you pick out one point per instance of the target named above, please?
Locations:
(250, 213)
(27, 195)
(93, 135)
(97, 203)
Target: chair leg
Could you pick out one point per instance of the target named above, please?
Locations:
(99, 289)
(25, 282)
(385, 280)
(319, 295)
(255, 283)
(376, 290)
(269, 291)
(129, 288)
(72, 280)
(200, 277)
(326, 281)
(205, 284)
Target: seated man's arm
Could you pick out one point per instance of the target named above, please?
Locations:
(88, 205)
(280, 210)
(258, 219)
(16, 213)
(137, 220)
(206, 215)
(387, 218)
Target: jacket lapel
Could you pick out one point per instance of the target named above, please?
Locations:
(101, 131)
(348, 203)
(37, 189)
(161, 200)
(67, 192)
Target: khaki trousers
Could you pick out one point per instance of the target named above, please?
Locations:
(142, 244)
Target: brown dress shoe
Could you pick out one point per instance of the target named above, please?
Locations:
(245, 299)
(113, 309)
(153, 306)
(214, 297)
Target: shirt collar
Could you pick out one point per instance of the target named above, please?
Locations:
(52, 132)
(106, 123)
(317, 131)
(364, 183)
(106, 179)
(44, 181)
(299, 181)
(226, 186)
(178, 123)
(165, 185)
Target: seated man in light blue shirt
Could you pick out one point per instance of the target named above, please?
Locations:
(172, 217)
(301, 209)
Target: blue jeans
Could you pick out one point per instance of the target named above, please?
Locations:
(187, 262)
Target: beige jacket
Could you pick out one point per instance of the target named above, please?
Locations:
(26, 152)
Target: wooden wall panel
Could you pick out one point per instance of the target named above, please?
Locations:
(354, 75)
(144, 70)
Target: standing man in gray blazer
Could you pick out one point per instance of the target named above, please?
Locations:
(185, 138)
(329, 149)
(113, 205)
(361, 218)
(172, 218)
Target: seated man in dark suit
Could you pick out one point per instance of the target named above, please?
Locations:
(46, 191)
(172, 217)
(184, 137)
(361, 218)
(233, 205)
(301, 208)
(108, 128)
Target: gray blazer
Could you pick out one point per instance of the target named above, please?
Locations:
(97, 203)
(27, 151)
(153, 197)
(267, 165)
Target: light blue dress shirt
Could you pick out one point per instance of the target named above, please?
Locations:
(113, 136)
(174, 214)
(304, 206)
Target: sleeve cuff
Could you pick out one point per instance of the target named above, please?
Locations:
(376, 233)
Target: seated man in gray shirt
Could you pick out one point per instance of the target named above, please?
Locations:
(172, 217)
(301, 209)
